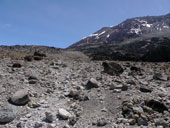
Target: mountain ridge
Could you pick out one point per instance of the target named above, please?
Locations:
(127, 31)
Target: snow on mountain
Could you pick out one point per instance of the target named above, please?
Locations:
(131, 28)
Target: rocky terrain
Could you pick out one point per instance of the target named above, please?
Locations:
(136, 39)
(42, 87)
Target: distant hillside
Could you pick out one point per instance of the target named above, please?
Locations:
(132, 39)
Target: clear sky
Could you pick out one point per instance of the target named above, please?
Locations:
(60, 23)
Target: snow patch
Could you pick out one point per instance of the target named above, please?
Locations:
(144, 23)
(108, 36)
(141, 21)
(147, 25)
(135, 30)
(84, 38)
(102, 33)
(97, 35)
(93, 35)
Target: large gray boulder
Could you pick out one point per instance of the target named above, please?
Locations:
(7, 114)
(20, 97)
(112, 68)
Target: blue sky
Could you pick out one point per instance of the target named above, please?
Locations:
(60, 23)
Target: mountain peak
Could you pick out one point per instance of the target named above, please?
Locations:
(135, 36)
(130, 28)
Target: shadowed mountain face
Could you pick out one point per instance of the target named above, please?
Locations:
(133, 39)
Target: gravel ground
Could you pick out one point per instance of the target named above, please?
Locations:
(137, 97)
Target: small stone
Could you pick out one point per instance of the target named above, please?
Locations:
(132, 121)
(32, 78)
(74, 93)
(33, 104)
(66, 126)
(117, 91)
(39, 54)
(101, 122)
(32, 82)
(72, 121)
(20, 97)
(64, 114)
(51, 125)
(20, 125)
(136, 116)
(137, 110)
(16, 65)
(145, 89)
(168, 77)
(142, 121)
(49, 117)
(112, 87)
(120, 87)
(92, 83)
(135, 69)
(124, 88)
(28, 58)
(38, 58)
(28, 115)
(38, 125)
(104, 110)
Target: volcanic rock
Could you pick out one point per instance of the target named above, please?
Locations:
(64, 114)
(21, 97)
(112, 68)
(49, 117)
(92, 83)
(39, 54)
(16, 65)
(145, 89)
(7, 114)
(28, 58)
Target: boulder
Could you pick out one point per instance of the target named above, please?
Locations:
(7, 114)
(20, 97)
(159, 76)
(156, 105)
(112, 68)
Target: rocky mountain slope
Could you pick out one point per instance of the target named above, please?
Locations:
(66, 89)
(132, 39)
